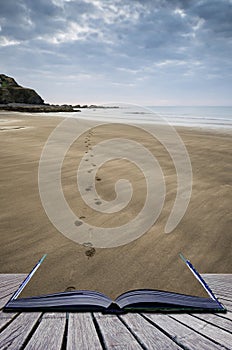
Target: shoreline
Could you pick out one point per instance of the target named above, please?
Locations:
(223, 129)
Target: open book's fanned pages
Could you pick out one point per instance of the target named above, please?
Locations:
(133, 301)
(130, 301)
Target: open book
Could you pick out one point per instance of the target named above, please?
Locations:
(147, 300)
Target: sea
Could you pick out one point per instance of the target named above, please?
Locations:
(203, 117)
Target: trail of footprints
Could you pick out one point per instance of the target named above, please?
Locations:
(90, 249)
(91, 155)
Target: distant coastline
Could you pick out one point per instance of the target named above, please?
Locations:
(47, 108)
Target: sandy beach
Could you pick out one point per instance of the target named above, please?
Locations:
(203, 235)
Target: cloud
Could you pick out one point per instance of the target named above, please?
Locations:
(217, 16)
(117, 42)
(7, 42)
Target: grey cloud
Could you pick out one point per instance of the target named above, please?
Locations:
(118, 39)
(154, 22)
(23, 20)
(217, 16)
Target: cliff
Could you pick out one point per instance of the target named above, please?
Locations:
(11, 92)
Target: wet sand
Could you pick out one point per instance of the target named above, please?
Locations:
(203, 235)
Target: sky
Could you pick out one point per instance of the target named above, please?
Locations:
(148, 52)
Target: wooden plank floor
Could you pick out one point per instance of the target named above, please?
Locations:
(61, 331)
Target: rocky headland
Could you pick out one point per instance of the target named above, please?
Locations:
(14, 97)
(12, 92)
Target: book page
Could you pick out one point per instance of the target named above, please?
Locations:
(100, 240)
(111, 272)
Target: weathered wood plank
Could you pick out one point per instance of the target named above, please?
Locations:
(5, 318)
(224, 281)
(14, 281)
(14, 336)
(184, 336)
(4, 277)
(216, 321)
(219, 287)
(54, 315)
(228, 315)
(222, 290)
(82, 333)
(8, 289)
(215, 276)
(147, 334)
(4, 300)
(11, 279)
(115, 334)
(224, 296)
(216, 334)
(49, 334)
(226, 303)
(9, 283)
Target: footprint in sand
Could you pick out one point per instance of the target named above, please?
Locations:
(78, 223)
(87, 244)
(70, 289)
(90, 252)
